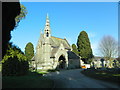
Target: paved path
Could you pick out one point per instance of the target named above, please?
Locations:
(74, 79)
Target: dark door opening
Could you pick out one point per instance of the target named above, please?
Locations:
(61, 62)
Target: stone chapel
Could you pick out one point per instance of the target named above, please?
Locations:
(53, 52)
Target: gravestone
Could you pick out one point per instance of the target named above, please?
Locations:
(115, 64)
(102, 61)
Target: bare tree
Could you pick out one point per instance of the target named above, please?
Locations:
(108, 47)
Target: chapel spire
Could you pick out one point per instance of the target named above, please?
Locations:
(47, 20)
(47, 30)
(47, 16)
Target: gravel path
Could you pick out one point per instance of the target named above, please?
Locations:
(74, 79)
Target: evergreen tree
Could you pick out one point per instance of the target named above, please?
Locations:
(12, 14)
(74, 49)
(29, 51)
(84, 47)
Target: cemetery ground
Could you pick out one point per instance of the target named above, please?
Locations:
(109, 75)
(73, 78)
(31, 80)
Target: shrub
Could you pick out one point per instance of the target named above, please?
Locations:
(14, 62)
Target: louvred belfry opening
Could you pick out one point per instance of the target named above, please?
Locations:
(47, 30)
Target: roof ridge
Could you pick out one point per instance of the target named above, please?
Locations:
(67, 42)
(57, 38)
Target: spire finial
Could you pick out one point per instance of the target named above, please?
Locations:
(47, 20)
(47, 16)
(40, 31)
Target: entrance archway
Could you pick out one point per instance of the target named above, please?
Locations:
(61, 62)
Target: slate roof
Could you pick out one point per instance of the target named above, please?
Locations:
(72, 55)
(55, 42)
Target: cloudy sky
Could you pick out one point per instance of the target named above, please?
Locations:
(67, 20)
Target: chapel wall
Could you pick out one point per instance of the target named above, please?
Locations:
(74, 63)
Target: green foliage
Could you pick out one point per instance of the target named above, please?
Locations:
(14, 62)
(84, 47)
(0, 66)
(22, 14)
(29, 51)
(90, 60)
(74, 49)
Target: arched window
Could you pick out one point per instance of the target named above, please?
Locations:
(47, 34)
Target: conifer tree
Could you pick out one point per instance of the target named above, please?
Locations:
(74, 49)
(84, 47)
(11, 16)
(29, 51)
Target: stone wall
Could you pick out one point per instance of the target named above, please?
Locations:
(74, 63)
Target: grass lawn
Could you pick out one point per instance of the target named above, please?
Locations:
(32, 80)
(0, 67)
(46, 71)
(42, 72)
(102, 75)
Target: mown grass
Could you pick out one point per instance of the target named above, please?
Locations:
(102, 75)
(0, 67)
(46, 71)
(31, 80)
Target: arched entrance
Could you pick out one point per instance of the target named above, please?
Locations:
(61, 62)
